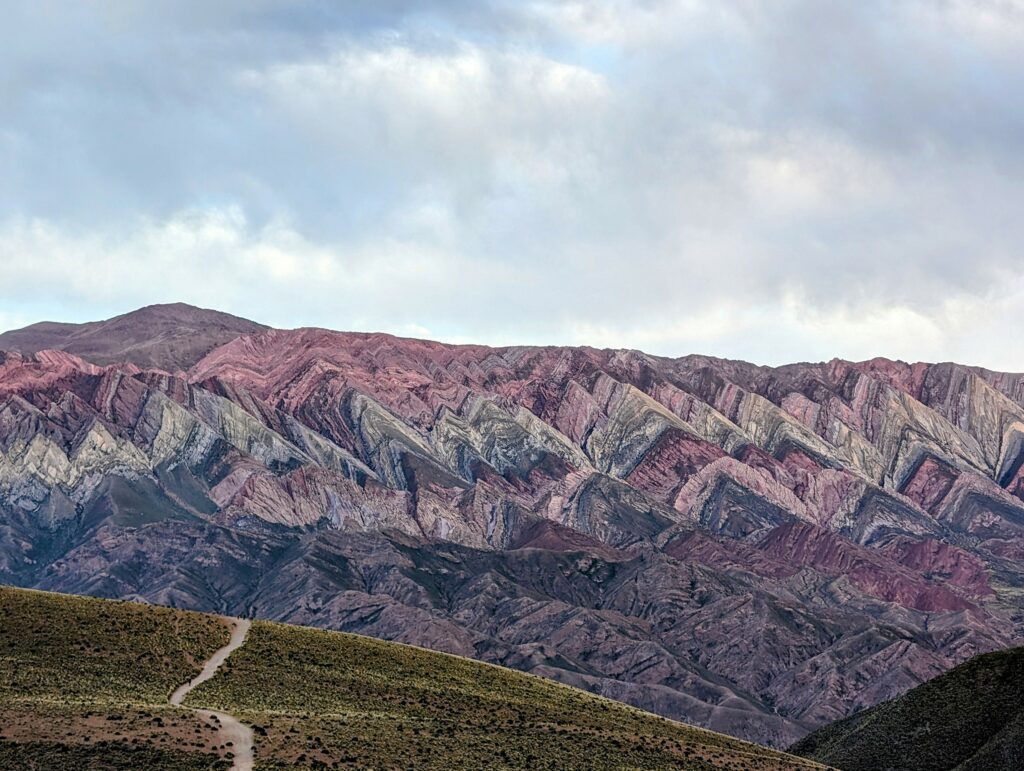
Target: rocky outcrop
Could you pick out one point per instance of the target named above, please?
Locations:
(754, 550)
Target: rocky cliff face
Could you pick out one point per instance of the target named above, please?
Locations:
(755, 550)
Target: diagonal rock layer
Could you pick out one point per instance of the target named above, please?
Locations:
(755, 550)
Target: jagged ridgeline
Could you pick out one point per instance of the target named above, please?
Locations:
(85, 684)
(755, 550)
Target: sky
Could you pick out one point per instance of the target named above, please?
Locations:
(774, 181)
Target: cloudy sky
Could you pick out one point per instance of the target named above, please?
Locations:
(776, 181)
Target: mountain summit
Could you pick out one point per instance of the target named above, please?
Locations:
(169, 337)
(756, 550)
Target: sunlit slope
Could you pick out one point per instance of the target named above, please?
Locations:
(84, 684)
(328, 696)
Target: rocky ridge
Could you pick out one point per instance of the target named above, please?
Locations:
(755, 550)
(172, 336)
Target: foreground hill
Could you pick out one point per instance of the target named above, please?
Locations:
(85, 683)
(969, 719)
(755, 550)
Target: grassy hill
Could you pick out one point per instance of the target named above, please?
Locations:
(84, 683)
(969, 719)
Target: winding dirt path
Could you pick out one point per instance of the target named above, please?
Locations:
(231, 729)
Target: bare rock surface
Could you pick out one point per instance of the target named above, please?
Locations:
(171, 337)
(754, 550)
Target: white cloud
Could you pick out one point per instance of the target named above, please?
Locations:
(458, 99)
(400, 286)
(995, 24)
(802, 181)
(262, 270)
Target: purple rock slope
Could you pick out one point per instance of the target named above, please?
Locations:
(754, 550)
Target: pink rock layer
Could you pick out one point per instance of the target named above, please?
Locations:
(755, 550)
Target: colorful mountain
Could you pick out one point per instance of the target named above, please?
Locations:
(172, 337)
(756, 550)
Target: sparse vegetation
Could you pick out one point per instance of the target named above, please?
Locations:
(62, 649)
(969, 719)
(102, 756)
(329, 700)
(84, 683)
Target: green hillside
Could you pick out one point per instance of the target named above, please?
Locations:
(969, 719)
(84, 683)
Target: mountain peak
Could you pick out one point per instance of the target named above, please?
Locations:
(171, 336)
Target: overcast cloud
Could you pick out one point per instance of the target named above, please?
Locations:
(775, 181)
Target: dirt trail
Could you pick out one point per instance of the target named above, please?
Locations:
(231, 729)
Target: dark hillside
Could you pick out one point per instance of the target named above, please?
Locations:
(969, 719)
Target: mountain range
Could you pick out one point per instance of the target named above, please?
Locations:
(750, 549)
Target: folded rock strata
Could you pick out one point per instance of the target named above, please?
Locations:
(755, 550)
